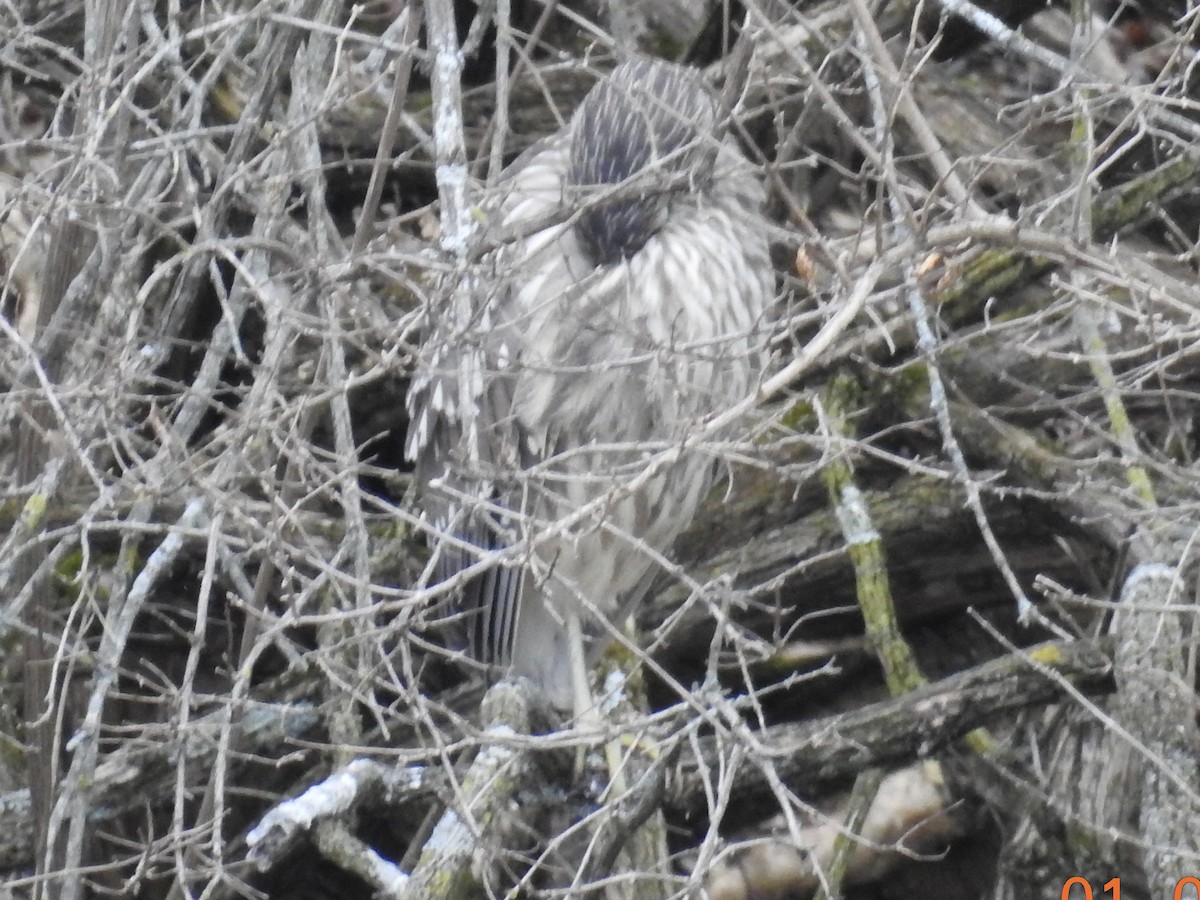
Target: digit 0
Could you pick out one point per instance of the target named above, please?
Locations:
(1193, 883)
(1113, 888)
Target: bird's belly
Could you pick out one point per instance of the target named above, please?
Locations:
(628, 518)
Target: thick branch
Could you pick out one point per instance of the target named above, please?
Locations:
(813, 756)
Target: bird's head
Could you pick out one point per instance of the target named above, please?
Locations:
(645, 132)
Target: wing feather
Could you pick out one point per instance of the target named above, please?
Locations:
(465, 441)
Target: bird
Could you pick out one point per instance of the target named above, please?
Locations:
(618, 302)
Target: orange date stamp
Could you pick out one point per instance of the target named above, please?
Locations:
(1079, 888)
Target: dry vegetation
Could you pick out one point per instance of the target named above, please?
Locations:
(219, 225)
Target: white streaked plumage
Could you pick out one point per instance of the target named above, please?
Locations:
(627, 307)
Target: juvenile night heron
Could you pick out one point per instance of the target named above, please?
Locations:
(622, 306)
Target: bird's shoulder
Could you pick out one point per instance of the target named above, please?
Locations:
(486, 321)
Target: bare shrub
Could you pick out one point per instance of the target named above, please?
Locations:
(933, 630)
